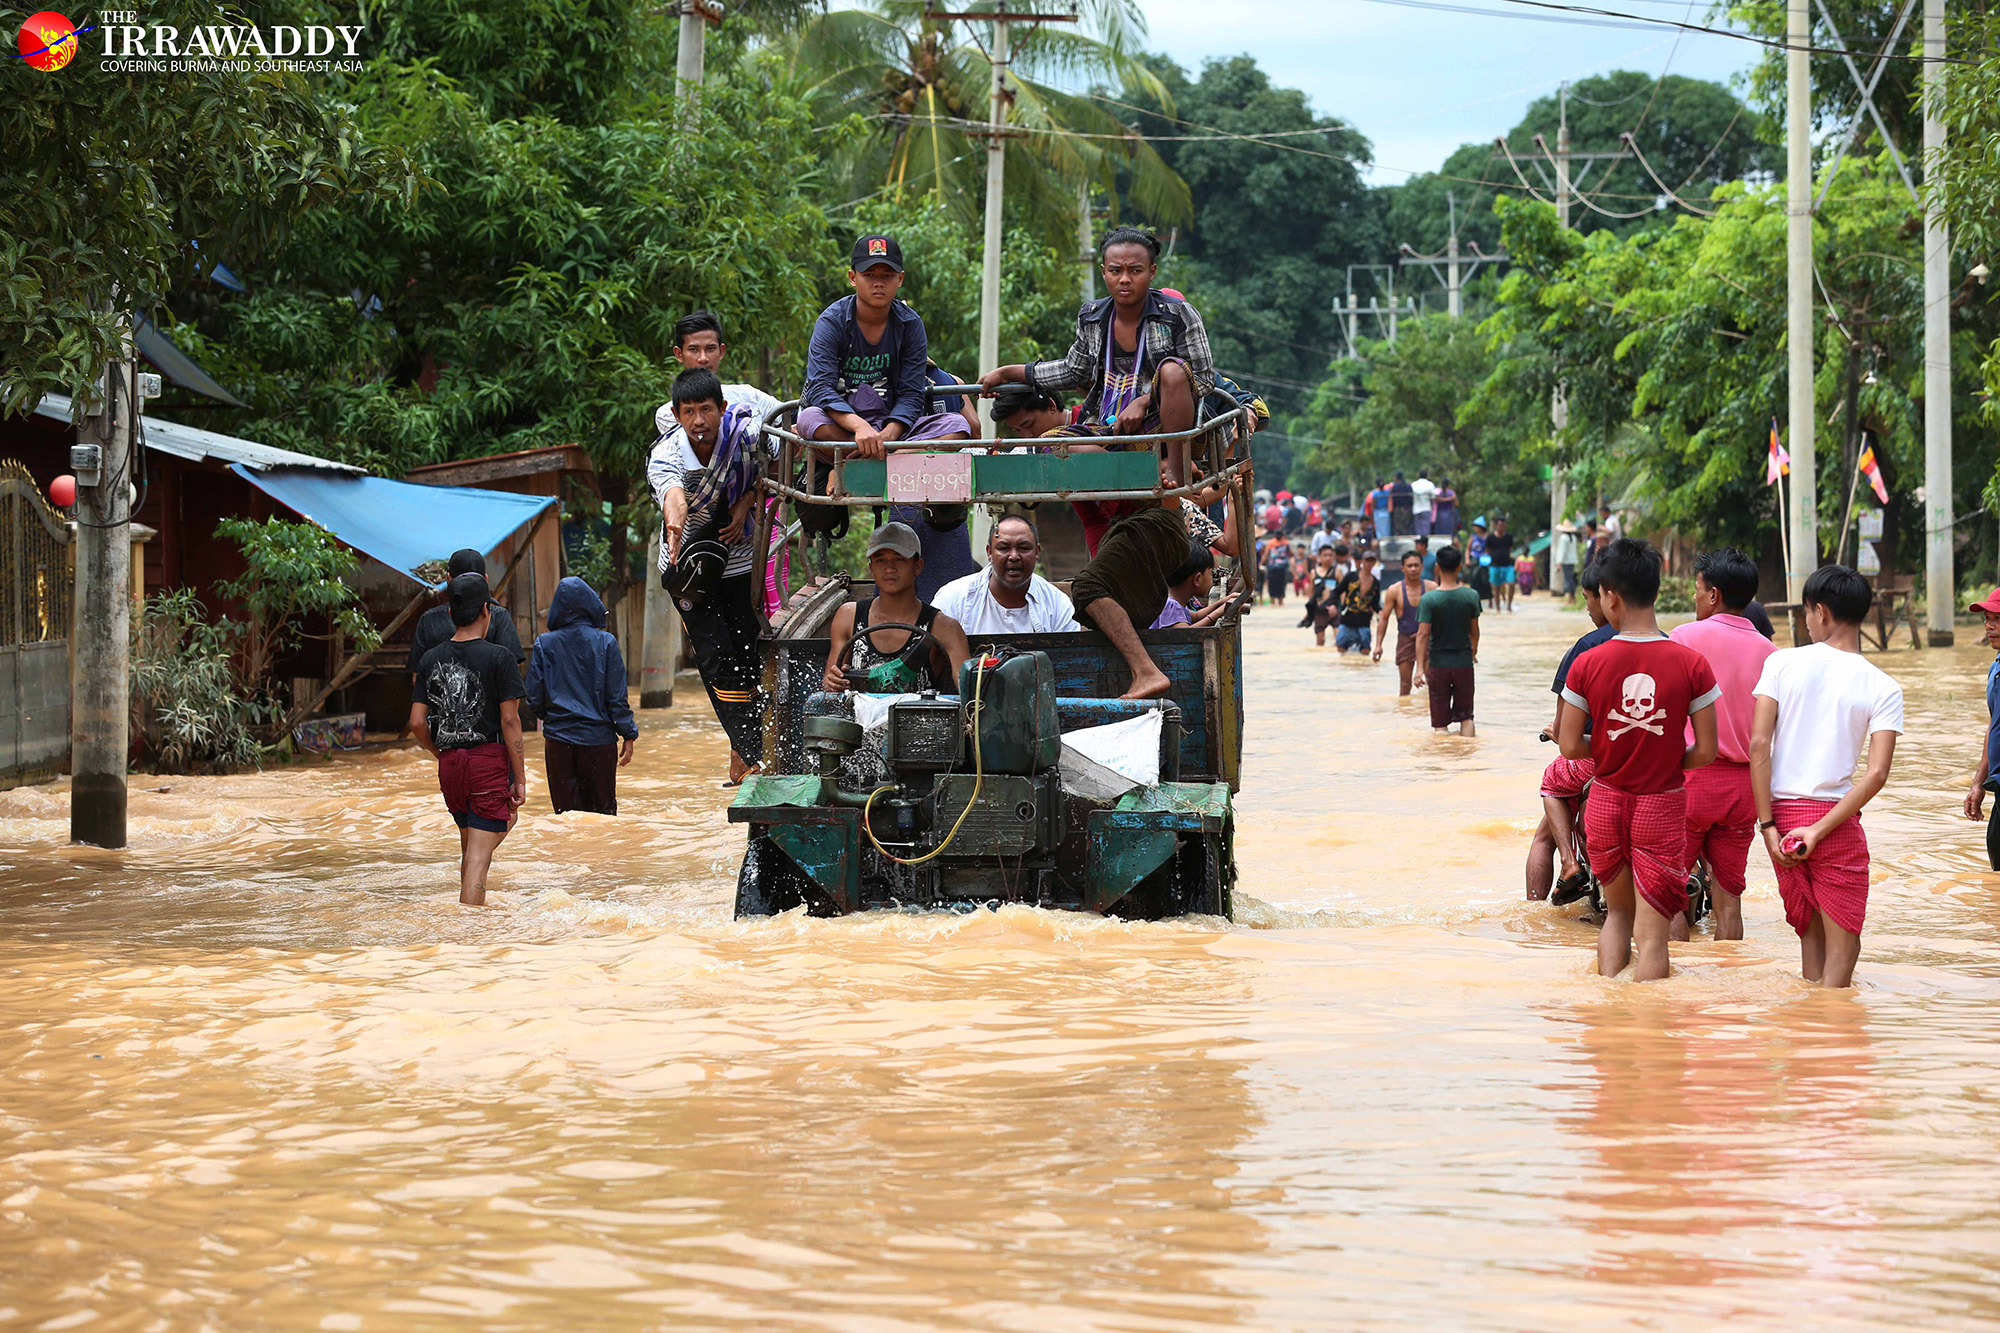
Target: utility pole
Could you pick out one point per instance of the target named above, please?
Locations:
(1456, 267)
(660, 629)
(996, 184)
(696, 15)
(1451, 283)
(1939, 577)
(1798, 293)
(1086, 244)
(1558, 401)
(103, 621)
(1562, 158)
(997, 135)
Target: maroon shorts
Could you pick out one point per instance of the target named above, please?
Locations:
(1451, 695)
(1647, 832)
(476, 782)
(1565, 779)
(1722, 820)
(1833, 880)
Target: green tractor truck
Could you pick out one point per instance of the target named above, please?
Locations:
(1033, 783)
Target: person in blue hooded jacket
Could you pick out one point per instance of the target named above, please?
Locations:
(576, 682)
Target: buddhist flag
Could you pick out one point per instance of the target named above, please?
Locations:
(1777, 463)
(1873, 471)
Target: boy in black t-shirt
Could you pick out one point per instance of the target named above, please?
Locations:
(466, 712)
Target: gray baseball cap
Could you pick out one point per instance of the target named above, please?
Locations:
(898, 537)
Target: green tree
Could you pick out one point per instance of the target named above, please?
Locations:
(115, 188)
(1275, 222)
(921, 87)
(293, 574)
(1672, 345)
(1408, 406)
(526, 297)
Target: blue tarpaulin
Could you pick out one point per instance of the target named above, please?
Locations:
(397, 522)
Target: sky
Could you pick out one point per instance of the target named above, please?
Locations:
(1421, 82)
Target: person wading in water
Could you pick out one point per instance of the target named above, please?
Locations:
(1399, 602)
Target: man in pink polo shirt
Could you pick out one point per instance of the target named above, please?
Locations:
(1721, 816)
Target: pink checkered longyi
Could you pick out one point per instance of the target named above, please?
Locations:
(1650, 833)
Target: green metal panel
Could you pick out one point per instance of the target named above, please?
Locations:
(1196, 807)
(763, 791)
(1007, 473)
(1011, 474)
(1124, 848)
(828, 852)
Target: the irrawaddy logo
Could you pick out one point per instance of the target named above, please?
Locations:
(48, 40)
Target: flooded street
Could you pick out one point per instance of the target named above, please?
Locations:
(264, 1072)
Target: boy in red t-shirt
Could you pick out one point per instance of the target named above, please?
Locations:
(1639, 690)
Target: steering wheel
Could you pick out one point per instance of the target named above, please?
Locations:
(918, 636)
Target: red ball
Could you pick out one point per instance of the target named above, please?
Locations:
(63, 491)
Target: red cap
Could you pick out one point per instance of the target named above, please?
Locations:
(1992, 603)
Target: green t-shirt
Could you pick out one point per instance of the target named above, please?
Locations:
(1450, 613)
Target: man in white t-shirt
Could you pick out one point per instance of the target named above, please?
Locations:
(1423, 502)
(698, 345)
(1818, 710)
(1008, 596)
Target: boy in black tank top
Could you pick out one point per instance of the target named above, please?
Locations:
(894, 558)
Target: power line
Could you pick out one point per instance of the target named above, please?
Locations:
(1611, 18)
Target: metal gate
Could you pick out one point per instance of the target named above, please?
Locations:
(36, 591)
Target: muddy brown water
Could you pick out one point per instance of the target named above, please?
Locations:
(263, 1072)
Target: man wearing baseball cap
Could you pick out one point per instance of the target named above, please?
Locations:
(1987, 777)
(865, 364)
(895, 557)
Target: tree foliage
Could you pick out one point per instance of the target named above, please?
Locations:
(1671, 343)
(116, 188)
(1275, 222)
(920, 87)
(293, 574)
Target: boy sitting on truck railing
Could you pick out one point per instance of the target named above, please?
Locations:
(1142, 357)
(866, 366)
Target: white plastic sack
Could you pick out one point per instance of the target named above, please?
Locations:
(1105, 762)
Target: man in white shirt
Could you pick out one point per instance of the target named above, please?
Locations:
(1008, 596)
(698, 345)
(1423, 501)
(1326, 536)
(1818, 710)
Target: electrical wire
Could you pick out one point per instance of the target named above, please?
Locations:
(1611, 18)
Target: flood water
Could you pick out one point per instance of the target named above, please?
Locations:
(262, 1071)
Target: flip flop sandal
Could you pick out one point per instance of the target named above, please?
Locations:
(1570, 888)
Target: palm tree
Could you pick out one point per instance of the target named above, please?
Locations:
(922, 85)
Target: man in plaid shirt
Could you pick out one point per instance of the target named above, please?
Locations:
(1141, 356)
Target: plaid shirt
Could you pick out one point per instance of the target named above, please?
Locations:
(1168, 328)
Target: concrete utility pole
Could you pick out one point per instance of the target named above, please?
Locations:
(1804, 518)
(103, 620)
(1562, 157)
(1940, 579)
(660, 630)
(1456, 267)
(997, 134)
(996, 184)
(1086, 243)
(695, 18)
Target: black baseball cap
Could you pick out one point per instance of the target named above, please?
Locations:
(875, 249)
(466, 561)
(467, 594)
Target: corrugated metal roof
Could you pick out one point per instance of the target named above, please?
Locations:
(195, 444)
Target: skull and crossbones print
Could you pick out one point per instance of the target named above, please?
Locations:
(1636, 711)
